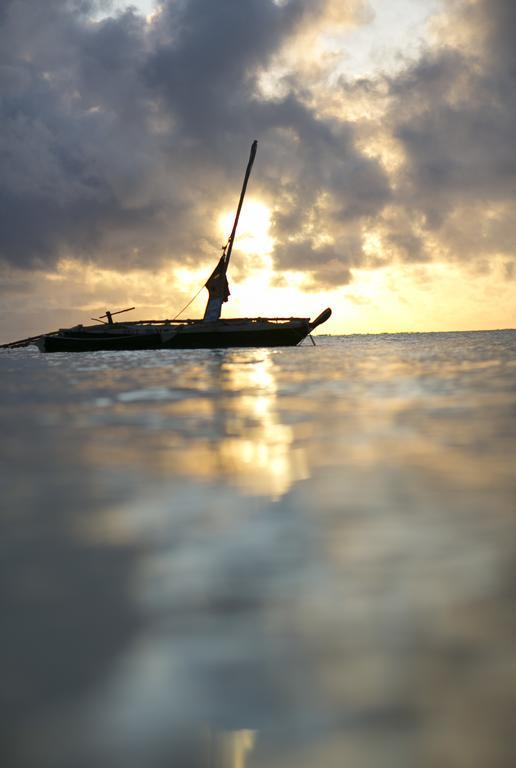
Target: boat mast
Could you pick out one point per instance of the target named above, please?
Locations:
(229, 245)
(217, 283)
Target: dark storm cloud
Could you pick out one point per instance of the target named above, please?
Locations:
(213, 48)
(122, 141)
(454, 114)
(320, 184)
(64, 83)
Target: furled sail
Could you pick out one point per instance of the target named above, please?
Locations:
(218, 289)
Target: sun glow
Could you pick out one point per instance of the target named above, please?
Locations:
(253, 235)
(253, 239)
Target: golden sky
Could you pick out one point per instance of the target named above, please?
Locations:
(383, 186)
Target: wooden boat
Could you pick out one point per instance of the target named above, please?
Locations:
(207, 333)
(190, 334)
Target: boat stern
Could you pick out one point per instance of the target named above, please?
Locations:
(320, 319)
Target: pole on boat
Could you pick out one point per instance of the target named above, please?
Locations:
(217, 283)
(231, 238)
(27, 341)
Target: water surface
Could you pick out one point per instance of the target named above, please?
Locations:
(288, 557)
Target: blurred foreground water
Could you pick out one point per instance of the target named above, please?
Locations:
(284, 558)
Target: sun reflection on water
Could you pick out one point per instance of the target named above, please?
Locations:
(237, 436)
(229, 749)
(256, 448)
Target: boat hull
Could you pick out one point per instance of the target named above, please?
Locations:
(90, 343)
(215, 335)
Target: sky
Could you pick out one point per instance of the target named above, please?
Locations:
(384, 184)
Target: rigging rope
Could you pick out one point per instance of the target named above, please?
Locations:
(190, 302)
(202, 286)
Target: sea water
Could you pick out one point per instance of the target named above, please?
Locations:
(269, 557)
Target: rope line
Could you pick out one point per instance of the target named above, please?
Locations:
(190, 302)
(224, 248)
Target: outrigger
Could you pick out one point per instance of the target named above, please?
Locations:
(210, 332)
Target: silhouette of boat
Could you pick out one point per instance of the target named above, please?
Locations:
(189, 334)
(210, 332)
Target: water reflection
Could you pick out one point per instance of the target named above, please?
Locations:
(229, 750)
(253, 447)
(225, 425)
(271, 559)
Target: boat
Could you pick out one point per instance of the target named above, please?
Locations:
(210, 332)
(192, 334)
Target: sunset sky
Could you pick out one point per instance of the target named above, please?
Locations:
(384, 184)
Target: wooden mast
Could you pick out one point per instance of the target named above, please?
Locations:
(217, 283)
(231, 239)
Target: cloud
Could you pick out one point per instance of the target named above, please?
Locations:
(122, 140)
(455, 122)
(68, 175)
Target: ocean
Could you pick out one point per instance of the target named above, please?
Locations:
(265, 558)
